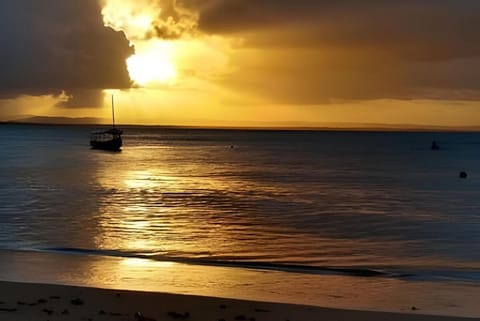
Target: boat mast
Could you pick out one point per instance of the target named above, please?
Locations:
(113, 112)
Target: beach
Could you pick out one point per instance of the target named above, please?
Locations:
(339, 291)
(21, 301)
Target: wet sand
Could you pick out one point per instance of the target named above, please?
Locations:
(23, 301)
(332, 291)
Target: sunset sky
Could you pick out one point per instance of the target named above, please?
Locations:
(243, 62)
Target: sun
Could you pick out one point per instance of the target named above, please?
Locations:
(154, 63)
(177, 54)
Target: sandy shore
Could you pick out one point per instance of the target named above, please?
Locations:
(22, 301)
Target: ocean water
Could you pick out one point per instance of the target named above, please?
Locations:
(360, 204)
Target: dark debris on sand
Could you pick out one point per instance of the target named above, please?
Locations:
(176, 315)
(8, 309)
(77, 302)
(47, 311)
(244, 318)
(116, 314)
(140, 317)
(262, 310)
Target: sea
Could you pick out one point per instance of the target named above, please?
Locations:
(352, 219)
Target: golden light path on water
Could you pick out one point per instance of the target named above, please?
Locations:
(147, 209)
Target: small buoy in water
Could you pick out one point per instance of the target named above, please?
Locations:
(463, 175)
(435, 146)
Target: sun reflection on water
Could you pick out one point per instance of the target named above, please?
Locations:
(183, 209)
(145, 263)
(145, 179)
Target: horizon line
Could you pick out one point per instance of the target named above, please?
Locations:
(358, 127)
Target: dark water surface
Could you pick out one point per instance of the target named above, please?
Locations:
(310, 202)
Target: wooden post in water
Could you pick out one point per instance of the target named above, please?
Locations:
(113, 112)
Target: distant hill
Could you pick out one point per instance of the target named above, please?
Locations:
(56, 120)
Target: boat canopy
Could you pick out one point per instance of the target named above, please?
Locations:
(111, 131)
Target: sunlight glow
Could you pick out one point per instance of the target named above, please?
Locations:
(153, 64)
(169, 48)
(153, 61)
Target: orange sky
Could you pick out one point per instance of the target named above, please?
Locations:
(234, 63)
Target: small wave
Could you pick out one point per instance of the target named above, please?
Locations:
(231, 263)
(404, 273)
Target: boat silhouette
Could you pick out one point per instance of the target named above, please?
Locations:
(110, 139)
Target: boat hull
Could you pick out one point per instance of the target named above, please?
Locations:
(112, 145)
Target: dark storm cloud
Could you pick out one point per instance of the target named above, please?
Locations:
(419, 29)
(55, 46)
(235, 15)
(315, 50)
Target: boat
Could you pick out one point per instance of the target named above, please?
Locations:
(108, 139)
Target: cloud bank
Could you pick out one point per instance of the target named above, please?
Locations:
(312, 51)
(62, 48)
(293, 52)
